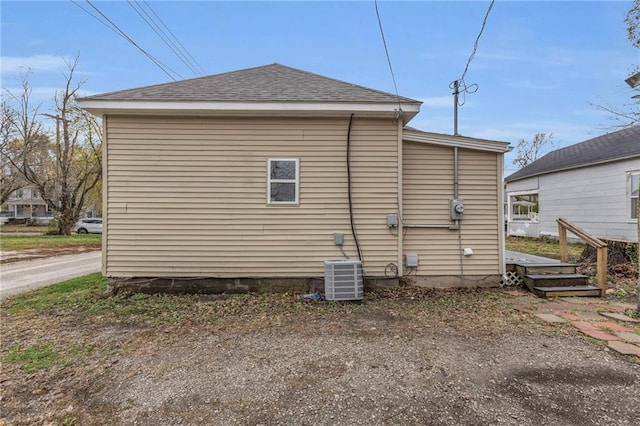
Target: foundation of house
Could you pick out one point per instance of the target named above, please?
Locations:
(214, 285)
(450, 281)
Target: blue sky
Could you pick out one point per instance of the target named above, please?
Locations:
(539, 65)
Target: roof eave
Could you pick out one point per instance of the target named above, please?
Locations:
(455, 141)
(577, 166)
(106, 107)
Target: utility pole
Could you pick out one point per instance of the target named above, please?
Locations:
(456, 93)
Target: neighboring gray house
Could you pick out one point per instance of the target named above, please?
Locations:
(593, 184)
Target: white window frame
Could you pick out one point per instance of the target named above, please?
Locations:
(630, 197)
(510, 205)
(295, 181)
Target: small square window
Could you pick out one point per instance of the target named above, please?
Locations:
(283, 181)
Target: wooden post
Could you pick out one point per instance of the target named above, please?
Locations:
(564, 248)
(601, 270)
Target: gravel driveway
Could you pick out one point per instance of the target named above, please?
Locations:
(378, 379)
(416, 357)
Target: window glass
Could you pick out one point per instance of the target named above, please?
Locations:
(283, 192)
(634, 181)
(283, 181)
(283, 170)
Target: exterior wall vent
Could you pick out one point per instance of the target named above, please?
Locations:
(343, 280)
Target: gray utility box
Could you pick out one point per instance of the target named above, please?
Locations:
(343, 280)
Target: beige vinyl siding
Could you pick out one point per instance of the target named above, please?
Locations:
(187, 196)
(427, 191)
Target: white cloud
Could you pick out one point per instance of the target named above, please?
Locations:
(37, 63)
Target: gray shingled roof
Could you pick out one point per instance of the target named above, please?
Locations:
(602, 149)
(269, 83)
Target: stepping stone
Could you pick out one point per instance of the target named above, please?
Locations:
(619, 317)
(569, 316)
(625, 306)
(612, 326)
(574, 300)
(524, 309)
(628, 337)
(550, 318)
(581, 325)
(600, 335)
(591, 316)
(624, 348)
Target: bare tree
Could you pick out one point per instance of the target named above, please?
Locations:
(64, 166)
(10, 179)
(632, 20)
(529, 151)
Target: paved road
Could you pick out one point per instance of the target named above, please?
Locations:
(29, 274)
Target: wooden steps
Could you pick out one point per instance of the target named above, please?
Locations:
(554, 279)
(570, 291)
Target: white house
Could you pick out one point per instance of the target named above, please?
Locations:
(593, 184)
(26, 203)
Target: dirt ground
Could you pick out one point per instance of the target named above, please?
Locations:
(8, 256)
(403, 356)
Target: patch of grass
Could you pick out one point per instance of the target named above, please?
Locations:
(25, 242)
(542, 247)
(17, 229)
(632, 313)
(33, 358)
(43, 356)
(85, 299)
(87, 296)
(80, 291)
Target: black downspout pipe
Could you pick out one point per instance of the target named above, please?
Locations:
(353, 224)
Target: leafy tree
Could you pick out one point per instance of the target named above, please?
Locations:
(529, 151)
(64, 165)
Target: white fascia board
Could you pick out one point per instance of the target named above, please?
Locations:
(102, 107)
(455, 141)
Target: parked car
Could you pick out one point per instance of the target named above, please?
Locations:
(89, 225)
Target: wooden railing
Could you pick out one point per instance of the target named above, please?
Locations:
(598, 244)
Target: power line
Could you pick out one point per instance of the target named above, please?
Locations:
(161, 33)
(460, 85)
(113, 27)
(386, 51)
(184, 49)
(475, 45)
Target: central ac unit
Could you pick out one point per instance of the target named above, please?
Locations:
(343, 280)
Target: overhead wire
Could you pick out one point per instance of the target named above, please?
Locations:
(462, 85)
(154, 27)
(162, 34)
(113, 27)
(192, 60)
(386, 51)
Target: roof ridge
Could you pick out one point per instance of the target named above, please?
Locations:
(250, 85)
